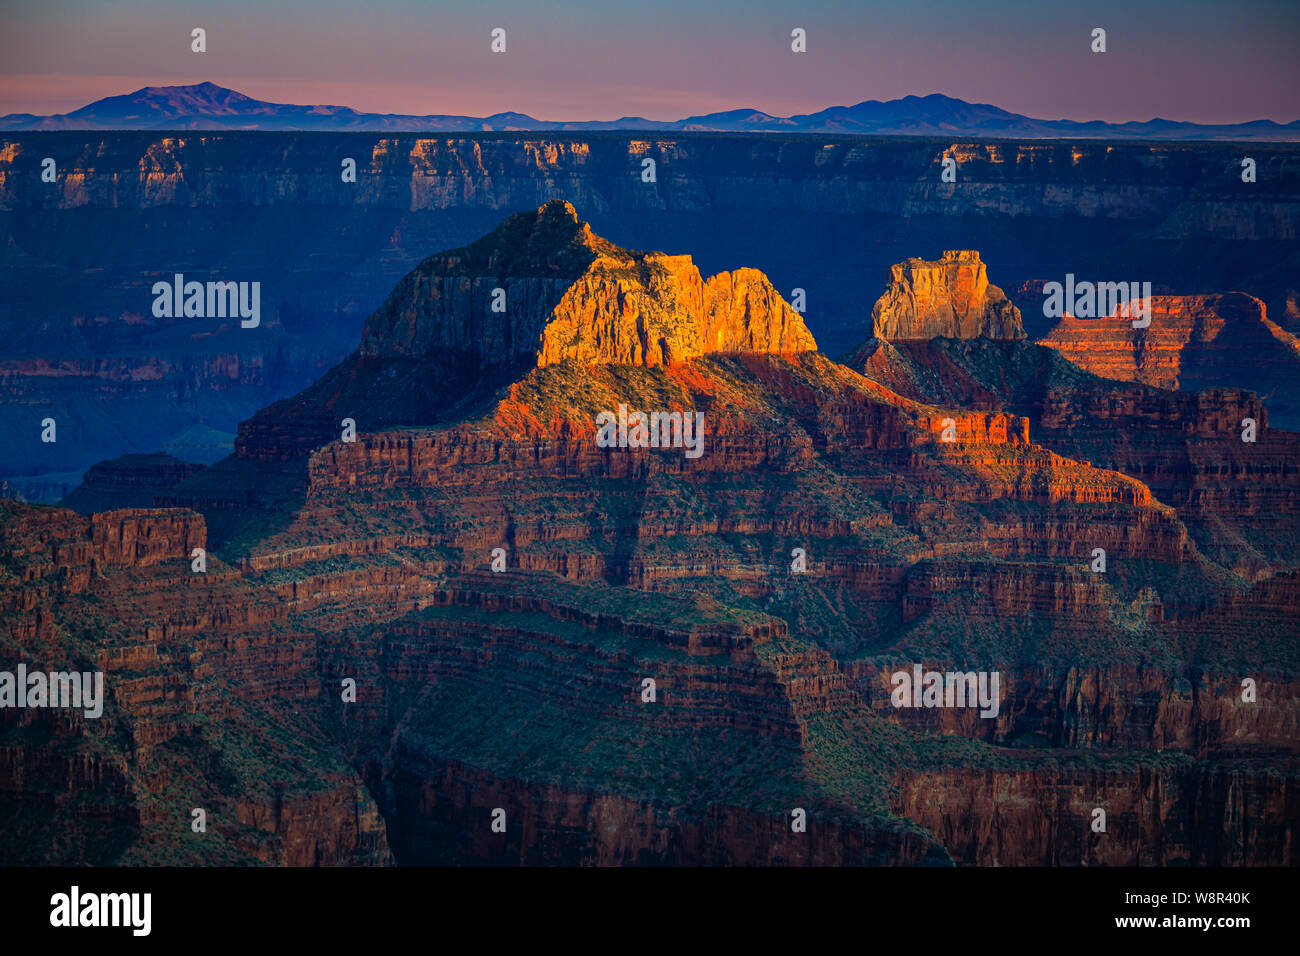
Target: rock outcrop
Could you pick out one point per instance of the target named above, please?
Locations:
(542, 289)
(187, 660)
(949, 298)
(1182, 814)
(1186, 447)
(539, 291)
(818, 212)
(140, 538)
(649, 657)
(1193, 342)
(130, 481)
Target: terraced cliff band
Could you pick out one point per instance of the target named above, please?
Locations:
(356, 678)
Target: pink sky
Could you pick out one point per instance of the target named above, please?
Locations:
(1201, 60)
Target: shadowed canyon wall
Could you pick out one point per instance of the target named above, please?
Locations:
(826, 214)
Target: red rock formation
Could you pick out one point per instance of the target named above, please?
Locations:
(829, 518)
(950, 297)
(181, 654)
(1193, 342)
(1186, 447)
(1110, 706)
(569, 294)
(549, 824)
(130, 481)
(138, 538)
(1194, 815)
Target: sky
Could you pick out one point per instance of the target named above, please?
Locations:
(1206, 61)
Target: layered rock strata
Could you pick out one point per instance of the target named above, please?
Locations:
(644, 657)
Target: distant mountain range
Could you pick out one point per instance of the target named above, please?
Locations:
(208, 106)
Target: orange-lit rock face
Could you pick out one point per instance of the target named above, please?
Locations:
(950, 298)
(667, 314)
(566, 294)
(743, 313)
(949, 495)
(1193, 341)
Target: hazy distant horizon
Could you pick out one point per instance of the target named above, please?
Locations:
(583, 119)
(1193, 60)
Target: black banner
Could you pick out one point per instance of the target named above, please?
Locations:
(948, 906)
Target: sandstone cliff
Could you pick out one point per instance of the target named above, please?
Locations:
(1184, 446)
(1193, 342)
(568, 294)
(950, 298)
(184, 656)
(130, 481)
(501, 587)
(817, 212)
(438, 347)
